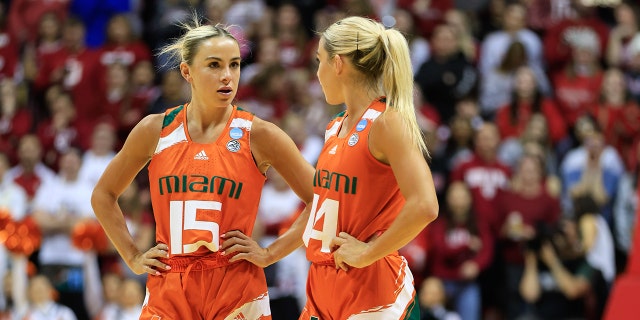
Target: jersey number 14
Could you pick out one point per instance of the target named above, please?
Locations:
(329, 210)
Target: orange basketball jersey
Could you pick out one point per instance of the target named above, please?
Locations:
(353, 191)
(199, 191)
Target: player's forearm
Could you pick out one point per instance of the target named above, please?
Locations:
(412, 219)
(112, 220)
(290, 240)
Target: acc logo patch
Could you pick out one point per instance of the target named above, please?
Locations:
(233, 145)
(353, 140)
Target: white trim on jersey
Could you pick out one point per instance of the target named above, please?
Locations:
(252, 310)
(371, 114)
(396, 310)
(332, 131)
(241, 123)
(176, 136)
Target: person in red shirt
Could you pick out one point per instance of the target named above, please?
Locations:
(559, 37)
(522, 209)
(461, 247)
(9, 48)
(76, 68)
(484, 174)
(527, 100)
(24, 16)
(15, 119)
(617, 115)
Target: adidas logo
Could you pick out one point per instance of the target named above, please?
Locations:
(201, 156)
(240, 317)
(333, 150)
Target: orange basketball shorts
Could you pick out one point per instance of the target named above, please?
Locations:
(237, 291)
(383, 290)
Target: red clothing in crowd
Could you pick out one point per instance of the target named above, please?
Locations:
(514, 128)
(80, 73)
(542, 208)
(127, 54)
(12, 129)
(557, 51)
(426, 20)
(576, 94)
(484, 180)
(451, 247)
(620, 126)
(24, 16)
(416, 254)
(9, 50)
(55, 141)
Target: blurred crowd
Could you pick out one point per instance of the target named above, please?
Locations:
(530, 109)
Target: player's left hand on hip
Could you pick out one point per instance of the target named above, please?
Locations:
(349, 251)
(245, 248)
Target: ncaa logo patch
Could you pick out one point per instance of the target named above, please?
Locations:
(361, 125)
(353, 140)
(236, 133)
(233, 145)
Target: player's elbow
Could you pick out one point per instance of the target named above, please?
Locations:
(427, 209)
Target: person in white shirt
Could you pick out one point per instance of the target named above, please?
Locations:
(102, 150)
(58, 205)
(13, 200)
(41, 303)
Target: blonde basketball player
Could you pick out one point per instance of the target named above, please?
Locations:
(373, 190)
(207, 161)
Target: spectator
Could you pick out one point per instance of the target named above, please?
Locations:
(418, 46)
(447, 76)
(111, 284)
(9, 47)
(286, 279)
(460, 248)
(595, 236)
(561, 36)
(497, 84)
(557, 278)
(30, 172)
(16, 119)
(433, 301)
(625, 206)
(58, 206)
(617, 114)
(76, 68)
(592, 169)
(46, 43)
(496, 44)
(25, 16)
(121, 45)
(632, 70)
(460, 23)
(13, 200)
(577, 86)
(527, 100)
(172, 92)
(626, 26)
(42, 304)
(266, 94)
(98, 156)
(143, 90)
(484, 174)
(61, 131)
(525, 210)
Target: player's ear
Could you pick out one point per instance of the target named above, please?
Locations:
(338, 63)
(185, 71)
